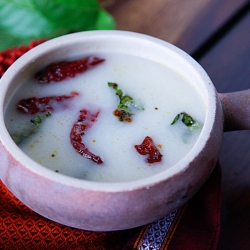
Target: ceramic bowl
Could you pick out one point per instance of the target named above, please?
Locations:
(101, 206)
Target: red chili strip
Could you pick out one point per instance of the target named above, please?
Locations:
(35, 105)
(148, 148)
(58, 71)
(85, 121)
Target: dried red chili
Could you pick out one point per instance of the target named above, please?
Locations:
(148, 148)
(58, 71)
(33, 105)
(85, 121)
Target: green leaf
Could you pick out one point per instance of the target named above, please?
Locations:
(23, 20)
(125, 104)
(39, 119)
(8, 40)
(69, 15)
(104, 21)
(35, 124)
(175, 119)
(188, 121)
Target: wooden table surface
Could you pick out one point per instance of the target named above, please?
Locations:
(217, 34)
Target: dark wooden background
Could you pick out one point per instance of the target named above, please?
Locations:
(217, 34)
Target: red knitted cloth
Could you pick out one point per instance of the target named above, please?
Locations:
(195, 226)
(8, 56)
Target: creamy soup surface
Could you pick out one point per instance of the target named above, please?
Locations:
(163, 94)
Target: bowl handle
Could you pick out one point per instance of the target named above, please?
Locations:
(236, 109)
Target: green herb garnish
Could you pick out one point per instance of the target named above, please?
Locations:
(39, 118)
(35, 123)
(126, 104)
(188, 121)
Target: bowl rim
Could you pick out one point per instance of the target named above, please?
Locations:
(38, 169)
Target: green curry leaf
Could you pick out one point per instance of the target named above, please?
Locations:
(23, 20)
(34, 125)
(188, 121)
(126, 104)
